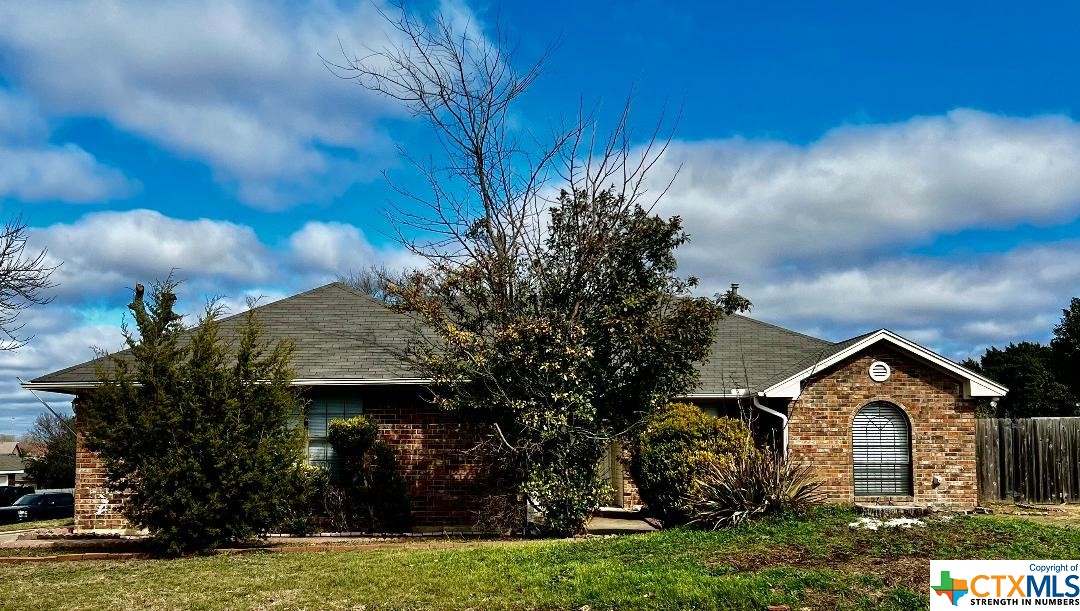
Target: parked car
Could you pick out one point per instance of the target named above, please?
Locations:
(39, 506)
(10, 494)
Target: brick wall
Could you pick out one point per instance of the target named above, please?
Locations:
(433, 451)
(96, 509)
(942, 427)
(631, 496)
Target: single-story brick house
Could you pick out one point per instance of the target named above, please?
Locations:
(12, 470)
(881, 418)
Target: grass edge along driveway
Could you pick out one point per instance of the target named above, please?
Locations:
(816, 562)
(58, 523)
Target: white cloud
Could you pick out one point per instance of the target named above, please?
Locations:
(104, 252)
(330, 247)
(957, 306)
(101, 254)
(237, 84)
(32, 169)
(861, 190)
(328, 250)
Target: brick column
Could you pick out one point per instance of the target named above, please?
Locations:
(96, 509)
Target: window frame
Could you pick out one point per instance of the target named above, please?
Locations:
(352, 405)
(882, 430)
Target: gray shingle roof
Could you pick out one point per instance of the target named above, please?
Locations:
(750, 354)
(11, 463)
(341, 334)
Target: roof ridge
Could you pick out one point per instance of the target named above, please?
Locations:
(856, 338)
(353, 291)
(779, 328)
(273, 303)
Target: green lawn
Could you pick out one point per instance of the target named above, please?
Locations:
(6, 528)
(818, 563)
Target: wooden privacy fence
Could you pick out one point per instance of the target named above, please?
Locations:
(1031, 459)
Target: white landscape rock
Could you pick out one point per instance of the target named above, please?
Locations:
(875, 523)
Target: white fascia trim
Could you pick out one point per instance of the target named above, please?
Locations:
(68, 386)
(359, 381)
(975, 385)
(734, 393)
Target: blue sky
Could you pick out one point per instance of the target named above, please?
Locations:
(852, 165)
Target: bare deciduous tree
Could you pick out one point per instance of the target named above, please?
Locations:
(375, 281)
(25, 279)
(558, 318)
(487, 197)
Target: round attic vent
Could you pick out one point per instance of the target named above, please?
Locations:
(879, 371)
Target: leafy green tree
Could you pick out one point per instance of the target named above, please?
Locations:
(1066, 347)
(55, 467)
(197, 430)
(1027, 369)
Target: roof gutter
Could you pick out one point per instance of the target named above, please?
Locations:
(783, 420)
(73, 387)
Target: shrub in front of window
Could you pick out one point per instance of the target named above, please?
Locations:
(728, 493)
(673, 448)
(370, 493)
(312, 482)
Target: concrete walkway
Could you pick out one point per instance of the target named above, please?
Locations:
(11, 536)
(601, 525)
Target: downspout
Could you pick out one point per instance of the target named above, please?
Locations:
(783, 420)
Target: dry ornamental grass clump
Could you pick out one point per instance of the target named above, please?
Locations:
(731, 492)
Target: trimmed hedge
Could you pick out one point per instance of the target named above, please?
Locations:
(370, 493)
(672, 450)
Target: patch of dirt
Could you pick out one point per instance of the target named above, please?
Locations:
(371, 547)
(1057, 515)
(846, 548)
(864, 556)
(908, 572)
(905, 572)
(752, 560)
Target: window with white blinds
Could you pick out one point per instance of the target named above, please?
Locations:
(881, 444)
(321, 411)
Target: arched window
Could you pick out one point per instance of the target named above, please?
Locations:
(881, 444)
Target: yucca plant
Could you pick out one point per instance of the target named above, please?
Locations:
(729, 493)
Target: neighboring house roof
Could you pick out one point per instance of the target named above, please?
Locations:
(344, 337)
(11, 464)
(9, 448)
